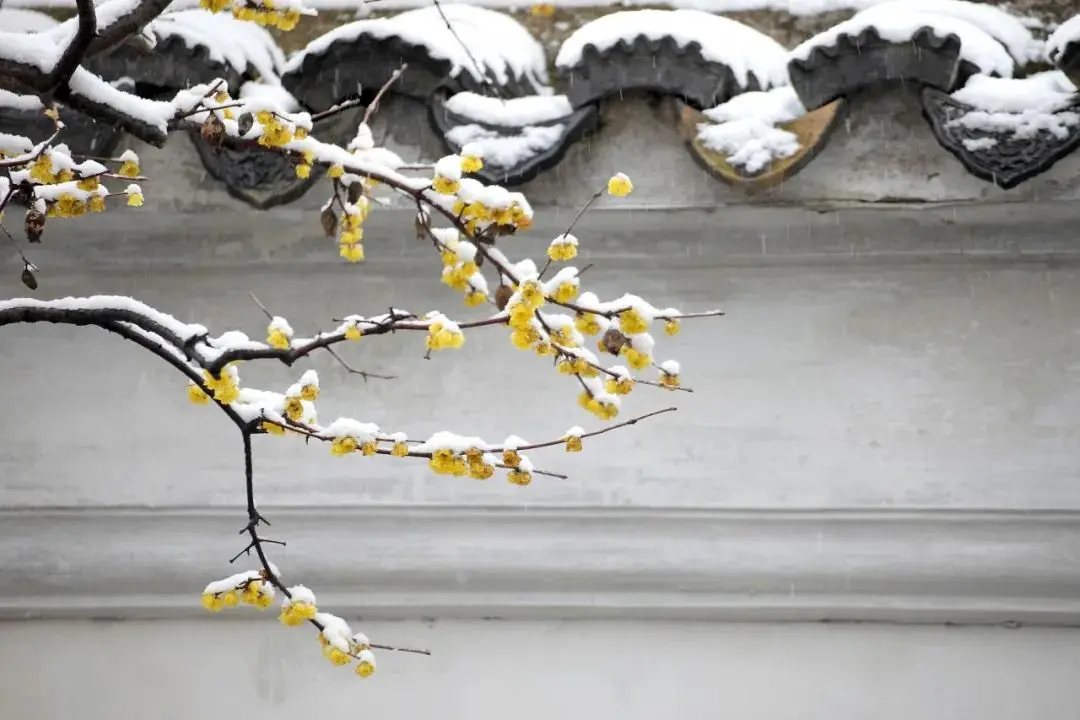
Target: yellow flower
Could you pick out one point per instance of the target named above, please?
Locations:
(441, 338)
(336, 656)
(297, 613)
(294, 409)
(619, 185)
(566, 292)
(231, 599)
(563, 337)
(671, 327)
(445, 185)
(532, 294)
(135, 199)
(573, 443)
(272, 428)
(276, 338)
(542, 10)
(519, 477)
(511, 458)
(622, 386)
(353, 252)
(475, 297)
(587, 323)
(560, 252)
(343, 446)
(632, 322)
(369, 448)
(353, 333)
(129, 169)
(635, 358)
(471, 163)
(520, 316)
(481, 471)
(196, 395)
(309, 393)
(544, 349)
(97, 204)
(212, 602)
(303, 171)
(365, 668)
(41, 170)
(335, 170)
(88, 184)
(669, 380)
(523, 339)
(250, 594)
(400, 449)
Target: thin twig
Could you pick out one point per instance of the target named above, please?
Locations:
(374, 104)
(481, 71)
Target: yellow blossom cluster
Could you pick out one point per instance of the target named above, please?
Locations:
(344, 650)
(473, 462)
(444, 335)
(563, 248)
(67, 189)
(297, 612)
(262, 12)
(225, 388)
(249, 592)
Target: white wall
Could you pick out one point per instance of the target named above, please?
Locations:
(885, 428)
(537, 671)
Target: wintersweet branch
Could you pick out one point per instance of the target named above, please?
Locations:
(550, 317)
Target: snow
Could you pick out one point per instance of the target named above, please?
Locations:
(516, 112)
(14, 20)
(1067, 32)
(272, 97)
(997, 23)
(30, 103)
(507, 151)
(151, 112)
(744, 50)
(240, 44)
(746, 131)
(500, 44)
(1021, 125)
(1020, 108)
(1043, 92)
(898, 25)
(183, 331)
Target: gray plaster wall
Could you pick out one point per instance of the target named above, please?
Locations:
(869, 358)
(630, 670)
(883, 151)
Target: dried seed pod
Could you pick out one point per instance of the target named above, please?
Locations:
(28, 278)
(356, 191)
(35, 225)
(213, 131)
(502, 296)
(614, 341)
(328, 220)
(244, 123)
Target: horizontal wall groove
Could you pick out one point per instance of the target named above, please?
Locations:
(408, 561)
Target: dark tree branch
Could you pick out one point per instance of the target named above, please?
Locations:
(77, 48)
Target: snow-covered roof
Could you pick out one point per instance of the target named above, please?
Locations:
(514, 112)
(243, 45)
(895, 23)
(500, 44)
(741, 48)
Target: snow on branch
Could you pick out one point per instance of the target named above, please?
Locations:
(546, 311)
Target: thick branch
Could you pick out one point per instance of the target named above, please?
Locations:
(76, 49)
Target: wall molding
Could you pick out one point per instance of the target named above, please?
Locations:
(406, 562)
